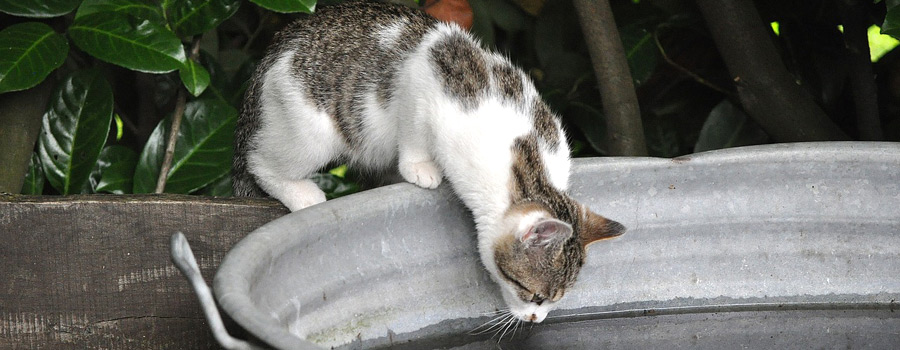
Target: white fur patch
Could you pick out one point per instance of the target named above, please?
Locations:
(389, 34)
(294, 139)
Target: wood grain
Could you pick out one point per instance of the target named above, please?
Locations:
(93, 272)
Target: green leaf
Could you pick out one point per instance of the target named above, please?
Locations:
(334, 186)
(194, 77)
(144, 9)
(128, 41)
(228, 86)
(287, 6)
(38, 8)
(75, 129)
(879, 44)
(203, 150)
(728, 126)
(640, 51)
(219, 81)
(591, 122)
(483, 23)
(891, 25)
(34, 178)
(192, 17)
(28, 53)
(220, 188)
(505, 15)
(114, 171)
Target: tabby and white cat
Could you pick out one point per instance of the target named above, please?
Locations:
(382, 86)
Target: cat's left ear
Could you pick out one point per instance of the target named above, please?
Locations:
(546, 231)
(598, 228)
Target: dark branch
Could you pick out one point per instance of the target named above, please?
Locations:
(624, 129)
(862, 76)
(767, 90)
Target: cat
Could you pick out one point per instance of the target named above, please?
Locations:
(383, 86)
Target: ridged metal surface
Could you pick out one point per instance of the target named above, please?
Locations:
(777, 246)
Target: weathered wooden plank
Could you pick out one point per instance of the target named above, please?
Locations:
(93, 272)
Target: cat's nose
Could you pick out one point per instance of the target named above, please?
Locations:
(532, 318)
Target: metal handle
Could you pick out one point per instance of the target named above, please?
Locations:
(183, 258)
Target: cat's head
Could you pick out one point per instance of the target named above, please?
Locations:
(537, 257)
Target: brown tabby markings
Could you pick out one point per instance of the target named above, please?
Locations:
(337, 63)
(531, 184)
(545, 123)
(509, 82)
(545, 272)
(549, 270)
(461, 66)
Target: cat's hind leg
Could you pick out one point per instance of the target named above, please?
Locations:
(287, 156)
(294, 194)
(284, 172)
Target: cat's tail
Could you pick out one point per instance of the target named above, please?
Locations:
(243, 182)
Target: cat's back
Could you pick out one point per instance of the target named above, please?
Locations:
(344, 60)
(332, 68)
(353, 40)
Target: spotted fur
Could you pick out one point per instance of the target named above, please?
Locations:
(509, 82)
(462, 68)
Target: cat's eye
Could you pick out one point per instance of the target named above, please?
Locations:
(537, 298)
(514, 281)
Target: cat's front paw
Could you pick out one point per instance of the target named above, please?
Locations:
(423, 174)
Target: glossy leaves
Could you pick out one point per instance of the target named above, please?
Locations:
(728, 126)
(203, 150)
(28, 53)
(137, 8)
(128, 41)
(34, 178)
(194, 77)
(333, 185)
(75, 129)
(114, 171)
(287, 6)
(891, 25)
(38, 8)
(192, 17)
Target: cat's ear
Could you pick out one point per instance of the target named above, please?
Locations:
(597, 228)
(546, 231)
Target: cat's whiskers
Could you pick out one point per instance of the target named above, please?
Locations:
(511, 323)
(492, 323)
(502, 324)
(495, 312)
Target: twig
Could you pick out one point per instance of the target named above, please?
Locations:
(173, 137)
(176, 125)
(695, 76)
(624, 129)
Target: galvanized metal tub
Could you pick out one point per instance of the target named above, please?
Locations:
(777, 246)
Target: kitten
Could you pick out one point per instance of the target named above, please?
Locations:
(379, 86)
